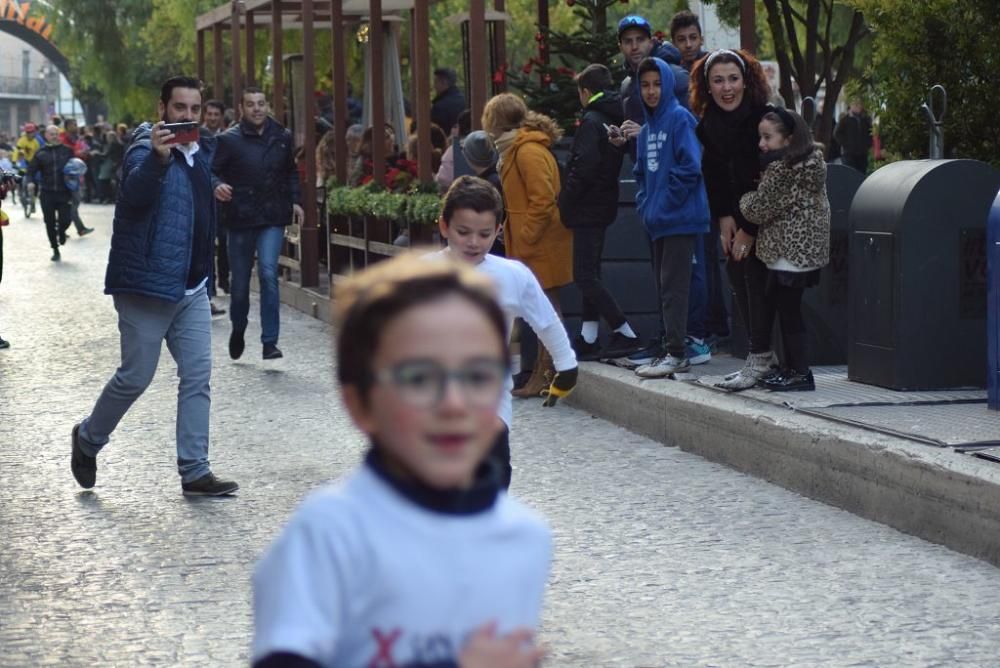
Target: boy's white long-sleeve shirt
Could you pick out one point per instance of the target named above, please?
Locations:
(521, 296)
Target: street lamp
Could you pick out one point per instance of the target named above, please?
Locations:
(45, 71)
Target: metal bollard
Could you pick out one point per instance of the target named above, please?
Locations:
(935, 121)
(993, 305)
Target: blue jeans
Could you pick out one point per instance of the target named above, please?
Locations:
(266, 241)
(144, 322)
(698, 294)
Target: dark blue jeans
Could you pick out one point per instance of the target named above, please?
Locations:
(266, 242)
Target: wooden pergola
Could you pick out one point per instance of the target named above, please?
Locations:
(242, 18)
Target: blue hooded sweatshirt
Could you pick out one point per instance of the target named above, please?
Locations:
(671, 197)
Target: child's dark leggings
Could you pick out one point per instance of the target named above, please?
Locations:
(500, 454)
(787, 303)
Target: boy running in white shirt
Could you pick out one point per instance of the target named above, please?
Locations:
(470, 222)
(417, 558)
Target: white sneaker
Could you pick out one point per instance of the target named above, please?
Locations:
(664, 367)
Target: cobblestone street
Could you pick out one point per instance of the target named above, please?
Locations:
(662, 558)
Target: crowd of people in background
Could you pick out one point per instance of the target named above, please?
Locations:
(688, 120)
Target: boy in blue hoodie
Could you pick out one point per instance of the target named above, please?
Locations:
(672, 202)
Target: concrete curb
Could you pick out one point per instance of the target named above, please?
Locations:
(933, 493)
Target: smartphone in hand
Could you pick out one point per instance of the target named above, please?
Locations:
(184, 133)
(613, 131)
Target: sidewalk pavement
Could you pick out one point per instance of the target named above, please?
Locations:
(912, 460)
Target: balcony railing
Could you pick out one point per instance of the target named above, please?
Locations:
(22, 86)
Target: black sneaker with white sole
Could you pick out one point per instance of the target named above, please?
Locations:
(209, 485)
(654, 351)
(621, 346)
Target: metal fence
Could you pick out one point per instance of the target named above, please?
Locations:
(22, 86)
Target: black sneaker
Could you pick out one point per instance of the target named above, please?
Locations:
(654, 351)
(272, 352)
(236, 343)
(208, 485)
(84, 231)
(62, 238)
(793, 382)
(621, 346)
(586, 352)
(4, 344)
(216, 310)
(56, 256)
(84, 466)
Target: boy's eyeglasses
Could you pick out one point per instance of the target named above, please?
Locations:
(422, 383)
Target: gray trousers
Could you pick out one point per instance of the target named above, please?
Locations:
(672, 258)
(144, 322)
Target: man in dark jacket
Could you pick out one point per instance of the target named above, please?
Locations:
(161, 249)
(449, 101)
(55, 196)
(255, 174)
(635, 39)
(854, 134)
(588, 205)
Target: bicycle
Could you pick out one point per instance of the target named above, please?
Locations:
(27, 196)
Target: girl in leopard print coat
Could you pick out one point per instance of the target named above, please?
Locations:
(791, 208)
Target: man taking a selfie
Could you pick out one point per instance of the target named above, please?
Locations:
(161, 251)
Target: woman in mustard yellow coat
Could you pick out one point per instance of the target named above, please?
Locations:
(533, 232)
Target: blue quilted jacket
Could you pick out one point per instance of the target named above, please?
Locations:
(154, 221)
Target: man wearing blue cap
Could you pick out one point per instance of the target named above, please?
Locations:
(635, 39)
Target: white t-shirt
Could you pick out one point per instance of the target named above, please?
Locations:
(521, 296)
(363, 576)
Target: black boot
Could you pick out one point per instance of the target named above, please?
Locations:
(236, 343)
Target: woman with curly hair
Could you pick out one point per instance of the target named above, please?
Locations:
(533, 233)
(729, 92)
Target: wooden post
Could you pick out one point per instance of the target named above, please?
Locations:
(309, 232)
(236, 78)
(748, 26)
(339, 89)
(251, 69)
(277, 63)
(477, 61)
(218, 88)
(377, 92)
(200, 56)
(500, 35)
(543, 28)
(420, 37)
